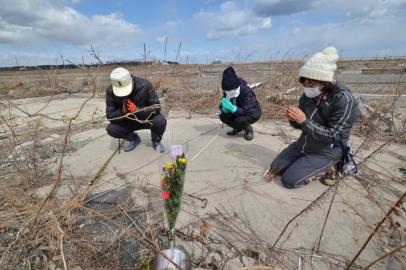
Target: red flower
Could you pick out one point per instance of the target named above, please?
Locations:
(165, 195)
(162, 183)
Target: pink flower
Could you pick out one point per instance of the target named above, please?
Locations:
(162, 183)
(165, 195)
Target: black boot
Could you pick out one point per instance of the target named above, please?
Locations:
(249, 133)
(158, 146)
(134, 140)
(156, 142)
(233, 132)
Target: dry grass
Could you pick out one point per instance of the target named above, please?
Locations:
(36, 232)
(283, 90)
(180, 95)
(60, 235)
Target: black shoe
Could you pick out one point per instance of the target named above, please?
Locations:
(249, 133)
(134, 141)
(158, 145)
(233, 132)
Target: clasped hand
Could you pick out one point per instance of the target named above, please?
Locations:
(295, 114)
(227, 106)
(129, 106)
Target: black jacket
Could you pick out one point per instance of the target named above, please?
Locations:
(143, 95)
(247, 103)
(328, 124)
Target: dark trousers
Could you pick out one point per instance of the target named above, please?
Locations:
(297, 168)
(239, 123)
(125, 128)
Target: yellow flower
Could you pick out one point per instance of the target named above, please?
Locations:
(169, 165)
(182, 160)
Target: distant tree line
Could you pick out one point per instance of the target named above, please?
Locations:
(72, 66)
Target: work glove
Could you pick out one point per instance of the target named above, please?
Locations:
(131, 107)
(227, 105)
(224, 110)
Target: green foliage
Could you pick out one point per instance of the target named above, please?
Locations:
(145, 263)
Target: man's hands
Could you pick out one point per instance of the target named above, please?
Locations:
(293, 113)
(129, 106)
(227, 106)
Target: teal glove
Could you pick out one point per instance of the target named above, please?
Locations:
(224, 110)
(226, 104)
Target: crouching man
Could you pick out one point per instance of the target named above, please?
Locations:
(239, 106)
(326, 113)
(132, 104)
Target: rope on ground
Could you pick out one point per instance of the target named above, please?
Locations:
(205, 147)
(103, 167)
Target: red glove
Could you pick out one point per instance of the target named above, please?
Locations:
(131, 107)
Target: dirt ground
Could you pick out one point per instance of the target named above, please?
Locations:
(228, 173)
(53, 142)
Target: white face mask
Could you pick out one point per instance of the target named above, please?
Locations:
(232, 93)
(312, 92)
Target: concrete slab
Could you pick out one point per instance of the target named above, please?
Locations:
(228, 173)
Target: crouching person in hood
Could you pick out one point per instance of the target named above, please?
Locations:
(239, 106)
(326, 113)
(132, 104)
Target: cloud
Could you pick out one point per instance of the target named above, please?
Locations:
(284, 7)
(230, 21)
(361, 39)
(161, 39)
(173, 23)
(375, 10)
(356, 29)
(186, 53)
(24, 22)
(351, 8)
(24, 55)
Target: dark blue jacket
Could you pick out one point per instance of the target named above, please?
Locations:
(247, 103)
(143, 95)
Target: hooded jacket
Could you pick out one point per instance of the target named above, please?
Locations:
(143, 95)
(246, 102)
(330, 118)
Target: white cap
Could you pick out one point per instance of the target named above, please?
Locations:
(321, 66)
(121, 82)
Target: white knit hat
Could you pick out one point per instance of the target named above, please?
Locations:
(321, 66)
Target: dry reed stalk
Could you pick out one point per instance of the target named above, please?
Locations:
(327, 215)
(384, 256)
(308, 208)
(198, 100)
(394, 207)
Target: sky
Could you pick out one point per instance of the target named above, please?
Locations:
(34, 32)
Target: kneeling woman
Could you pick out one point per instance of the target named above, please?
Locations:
(326, 113)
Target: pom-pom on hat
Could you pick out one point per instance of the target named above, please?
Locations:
(321, 66)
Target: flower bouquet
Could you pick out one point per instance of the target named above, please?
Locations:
(172, 182)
